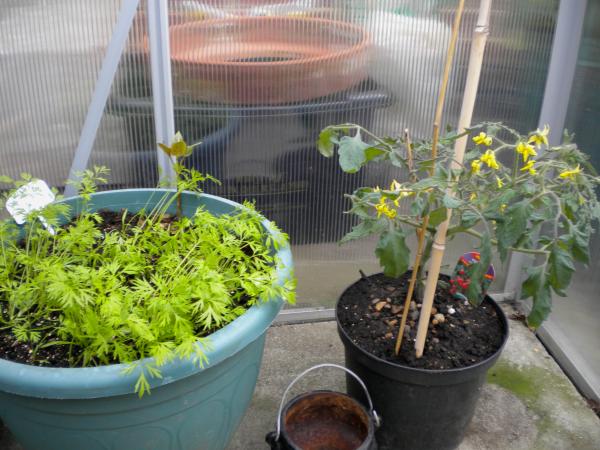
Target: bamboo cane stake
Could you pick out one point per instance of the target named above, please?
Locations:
(411, 286)
(420, 237)
(409, 153)
(439, 109)
(480, 34)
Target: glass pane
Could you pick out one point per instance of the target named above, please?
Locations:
(257, 81)
(578, 314)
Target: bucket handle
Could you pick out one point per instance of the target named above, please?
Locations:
(372, 412)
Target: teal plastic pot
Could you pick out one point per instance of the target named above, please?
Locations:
(190, 408)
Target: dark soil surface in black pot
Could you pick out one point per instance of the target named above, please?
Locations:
(371, 309)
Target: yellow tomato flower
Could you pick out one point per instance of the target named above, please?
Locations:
(395, 186)
(383, 208)
(570, 173)
(490, 159)
(529, 167)
(502, 207)
(483, 138)
(499, 182)
(402, 195)
(377, 189)
(380, 207)
(475, 166)
(540, 136)
(526, 150)
(473, 196)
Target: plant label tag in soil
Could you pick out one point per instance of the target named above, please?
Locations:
(29, 198)
(460, 281)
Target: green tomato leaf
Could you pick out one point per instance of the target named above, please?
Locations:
(512, 227)
(393, 254)
(430, 182)
(397, 160)
(352, 153)
(437, 216)
(417, 206)
(364, 229)
(325, 143)
(579, 243)
(451, 202)
(560, 269)
(537, 287)
(373, 153)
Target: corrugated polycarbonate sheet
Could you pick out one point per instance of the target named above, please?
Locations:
(256, 81)
(50, 58)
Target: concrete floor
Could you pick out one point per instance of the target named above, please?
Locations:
(527, 404)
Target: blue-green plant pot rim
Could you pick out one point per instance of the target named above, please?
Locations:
(107, 381)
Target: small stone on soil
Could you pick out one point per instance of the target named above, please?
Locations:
(379, 306)
(440, 318)
(413, 305)
(396, 309)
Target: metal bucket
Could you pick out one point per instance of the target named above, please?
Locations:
(324, 420)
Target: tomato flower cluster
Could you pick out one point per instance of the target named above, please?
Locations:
(512, 192)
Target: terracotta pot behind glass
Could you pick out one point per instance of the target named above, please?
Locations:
(266, 60)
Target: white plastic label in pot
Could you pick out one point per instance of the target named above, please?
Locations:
(29, 198)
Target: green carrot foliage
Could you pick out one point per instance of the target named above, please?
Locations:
(154, 287)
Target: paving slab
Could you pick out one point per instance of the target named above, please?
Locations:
(527, 404)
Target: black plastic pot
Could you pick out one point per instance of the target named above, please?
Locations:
(422, 409)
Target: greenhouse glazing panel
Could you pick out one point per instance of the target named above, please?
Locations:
(577, 315)
(51, 54)
(256, 82)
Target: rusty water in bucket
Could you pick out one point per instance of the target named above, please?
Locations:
(324, 420)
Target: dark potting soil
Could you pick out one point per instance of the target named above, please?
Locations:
(60, 355)
(370, 312)
(51, 356)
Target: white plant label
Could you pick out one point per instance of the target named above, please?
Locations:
(29, 198)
